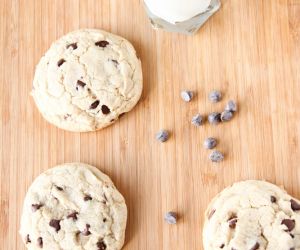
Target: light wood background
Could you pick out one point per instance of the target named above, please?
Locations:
(250, 50)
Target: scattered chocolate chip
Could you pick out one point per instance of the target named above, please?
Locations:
(226, 116)
(214, 118)
(222, 246)
(104, 220)
(231, 106)
(187, 95)
(232, 221)
(290, 224)
(73, 45)
(40, 242)
(59, 188)
(73, 216)
(55, 224)
(27, 239)
(101, 245)
(292, 248)
(216, 156)
(197, 120)
(94, 104)
(86, 231)
(87, 198)
(61, 62)
(215, 96)
(293, 236)
(295, 205)
(171, 218)
(273, 199)
(80, 84)
(102, 43)
(162, 136)
(67, 116)
(35, 207)
(210, 143)
(105, 110)
(211, 213)
(255, 247)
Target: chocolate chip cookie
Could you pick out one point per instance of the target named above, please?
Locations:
(252, 215)
(86, 80)
(73, 206)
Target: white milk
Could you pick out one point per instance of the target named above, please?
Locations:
(177, 10)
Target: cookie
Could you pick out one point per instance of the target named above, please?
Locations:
(87, 80)
(252, 215)
(73, 207)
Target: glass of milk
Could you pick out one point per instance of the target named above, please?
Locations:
(184, 16)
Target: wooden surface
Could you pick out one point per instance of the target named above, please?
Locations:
(250, 50)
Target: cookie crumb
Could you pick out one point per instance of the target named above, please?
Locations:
(198, 120)
(162, 136)
(187, 95)
(171, 218)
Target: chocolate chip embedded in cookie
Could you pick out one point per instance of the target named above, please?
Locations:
(86, 80)
(73, 206)
(252, 215)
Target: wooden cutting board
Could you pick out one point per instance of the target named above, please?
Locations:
(250, 50)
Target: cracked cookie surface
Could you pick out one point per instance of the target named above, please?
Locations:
(86, 80)
(252, 215)
(73, 207)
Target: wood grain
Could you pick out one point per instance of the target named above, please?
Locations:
(250, 50)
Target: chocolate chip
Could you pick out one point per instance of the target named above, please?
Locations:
(73, 45)
(87, 198)
(67, 116)
(162, 136)
(59, 188)
(293, 236)
(232, 221)
(197, 120)
(226, 116)
(231, 106)
(290, 224)
(40, 242)
(210, 143)
(211, 213)
(27, 239)
(187, 95)
(94, 104)
(105, 110)
(171, 218)
(255, 247)
(35, 207)
(295, 205)
(86, 231)
(292, 248)
(73, 216)
(214, 118)
(55, 224)
(101, 245)
(223, 245)
(102, 43)
(273, 199)
(104, 220)
(215, 96)
(80, 84)
(61, 62)
(216, 156)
